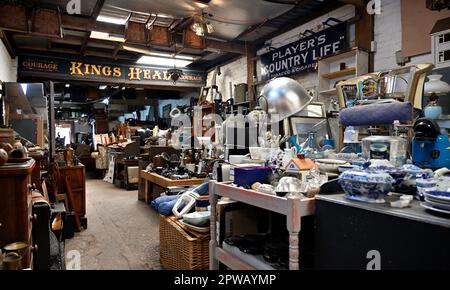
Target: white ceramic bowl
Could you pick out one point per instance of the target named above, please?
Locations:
(198, 218)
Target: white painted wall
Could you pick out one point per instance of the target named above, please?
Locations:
(234, 72)
(388, 35)
(8, 66)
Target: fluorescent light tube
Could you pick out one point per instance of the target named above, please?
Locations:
(161, 61)
(114, 20)
(106, 36)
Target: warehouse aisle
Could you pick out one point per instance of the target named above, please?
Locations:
(123, 233)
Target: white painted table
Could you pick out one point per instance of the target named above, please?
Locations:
(294, 208)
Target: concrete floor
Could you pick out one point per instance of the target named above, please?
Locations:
(123, 233)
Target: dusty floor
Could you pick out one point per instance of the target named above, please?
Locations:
(123, 233)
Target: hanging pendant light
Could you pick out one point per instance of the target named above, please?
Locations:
(201, 26)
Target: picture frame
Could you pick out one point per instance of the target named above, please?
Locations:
(303, 125)
(313, 110)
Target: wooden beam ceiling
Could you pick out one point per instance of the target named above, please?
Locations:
(95, 12)
(75, 52)
(333, 5)
(85, 24)
(80, 23)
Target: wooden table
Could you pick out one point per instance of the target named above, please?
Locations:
(155, 184)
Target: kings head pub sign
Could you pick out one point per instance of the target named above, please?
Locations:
(303, 54)
(89, 70)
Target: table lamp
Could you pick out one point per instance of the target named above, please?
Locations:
(285, 97)
(434, 88)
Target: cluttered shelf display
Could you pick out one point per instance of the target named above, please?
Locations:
(285, 171)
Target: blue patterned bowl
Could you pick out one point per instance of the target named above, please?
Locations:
(366, 186)
(439, 193)
(412, 173)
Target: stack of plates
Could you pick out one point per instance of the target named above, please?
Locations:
(438, 201)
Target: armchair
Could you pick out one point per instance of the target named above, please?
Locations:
(101, 159)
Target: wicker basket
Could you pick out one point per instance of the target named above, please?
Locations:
(181, 249)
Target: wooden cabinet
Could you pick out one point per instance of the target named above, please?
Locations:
(36, 175)
(16, 207)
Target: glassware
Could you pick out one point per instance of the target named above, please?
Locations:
(311, 147)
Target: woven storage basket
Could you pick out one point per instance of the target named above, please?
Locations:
(181, 249)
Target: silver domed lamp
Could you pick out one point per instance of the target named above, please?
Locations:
(282, 98)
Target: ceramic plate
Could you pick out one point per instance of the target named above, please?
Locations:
(438, 204)
(430, 207)
(437, 199)
(436, 195)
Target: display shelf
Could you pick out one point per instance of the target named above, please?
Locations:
(340, 73)
(332, 91)
(293, 207)
(330, 73)
(235, 262)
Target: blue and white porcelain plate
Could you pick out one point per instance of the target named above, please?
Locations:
(438, 204)
(432, 208)
(434, 195)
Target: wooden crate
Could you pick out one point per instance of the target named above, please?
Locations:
(46, 22)
(191, 40)
(160, 36)
(135, 33)
(13, 18)
(180, 249)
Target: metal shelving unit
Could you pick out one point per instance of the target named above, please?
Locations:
(294, 208)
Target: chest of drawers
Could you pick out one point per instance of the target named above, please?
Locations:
(16, 218)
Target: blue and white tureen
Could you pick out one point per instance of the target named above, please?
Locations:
(366, 186)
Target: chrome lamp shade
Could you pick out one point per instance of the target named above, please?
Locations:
(285, 97)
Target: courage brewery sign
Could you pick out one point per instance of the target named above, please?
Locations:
(302, 55)
(55, 68)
